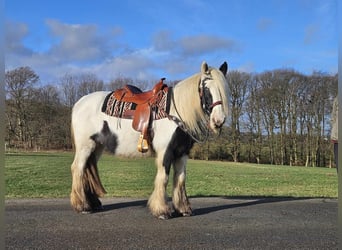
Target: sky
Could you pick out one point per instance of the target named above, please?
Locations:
(145, 39)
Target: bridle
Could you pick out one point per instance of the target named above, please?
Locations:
(207, 106)
(206, 97)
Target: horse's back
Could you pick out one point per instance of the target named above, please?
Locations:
(89, 104)
(94, 98)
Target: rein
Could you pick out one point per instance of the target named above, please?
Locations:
(181, 124)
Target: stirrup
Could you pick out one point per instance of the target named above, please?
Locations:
(142, 144)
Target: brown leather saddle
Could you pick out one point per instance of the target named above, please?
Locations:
(145, 103)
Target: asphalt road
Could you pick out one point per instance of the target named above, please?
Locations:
(218, 223)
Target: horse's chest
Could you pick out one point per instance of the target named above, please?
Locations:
(179, 145)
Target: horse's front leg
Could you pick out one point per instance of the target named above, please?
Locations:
(158, 200)
(179, 198)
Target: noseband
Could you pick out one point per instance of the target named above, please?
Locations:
(206, 97)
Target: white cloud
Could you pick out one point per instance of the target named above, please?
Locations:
(311, 33)
(76, 48)
(162, 41)
(73, 48)
(202, 44)
(264, 24)
(15, 34)
(78, 42)
(193, 45)
(248, 67)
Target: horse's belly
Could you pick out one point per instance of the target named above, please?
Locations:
(127, 137)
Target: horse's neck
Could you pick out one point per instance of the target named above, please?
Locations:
(186, 104)
(187, 84)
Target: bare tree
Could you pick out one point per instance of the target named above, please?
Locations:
(73, 87)
(88, 83)
(68, 85)
(237, 83)
(254, 121)
(119, 82)
(316, 122)
(268, 99)
(48, 130)
(19, 87)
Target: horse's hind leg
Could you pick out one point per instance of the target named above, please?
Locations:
(86, 183)
(158, 200)
(78, 196)
(179, 198)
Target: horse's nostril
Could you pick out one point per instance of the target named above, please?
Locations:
(218, 125)
(219, 122)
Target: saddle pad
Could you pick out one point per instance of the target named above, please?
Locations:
(114, 107)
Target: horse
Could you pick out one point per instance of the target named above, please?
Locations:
(197, 104)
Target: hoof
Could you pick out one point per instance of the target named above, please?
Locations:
(86, 212)
(94, 210)
(183, 214)
(164, 217)
(188, 214)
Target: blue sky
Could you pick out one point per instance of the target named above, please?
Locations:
(148, 39)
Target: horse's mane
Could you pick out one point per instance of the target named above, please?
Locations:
(188, 103)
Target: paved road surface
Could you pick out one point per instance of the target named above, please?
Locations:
(219, 223)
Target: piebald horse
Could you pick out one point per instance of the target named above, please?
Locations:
(197, 103)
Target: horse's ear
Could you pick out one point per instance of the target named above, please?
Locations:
(204, 67)
(224, 68)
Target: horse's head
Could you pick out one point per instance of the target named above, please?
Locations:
(213, 90)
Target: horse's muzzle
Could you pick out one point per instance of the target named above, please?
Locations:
(217, 123)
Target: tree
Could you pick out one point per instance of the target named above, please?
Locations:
(51, 125)
(88, 83)
(254, 122)
(73, 87)
(267, 95)
(19, 88)
(237, 83)
(69, 87)
(120, 81)
(318, 105)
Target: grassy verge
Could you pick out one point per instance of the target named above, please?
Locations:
(48, 175)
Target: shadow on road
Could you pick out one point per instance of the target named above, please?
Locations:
(243, 201)
(250, 201)
(135, 203)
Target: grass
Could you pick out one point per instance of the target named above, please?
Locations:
(48, 175)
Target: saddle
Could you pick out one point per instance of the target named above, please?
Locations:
(146, 103)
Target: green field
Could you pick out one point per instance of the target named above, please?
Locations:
(48, 175)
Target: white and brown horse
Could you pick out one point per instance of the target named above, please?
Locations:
(198, 102)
